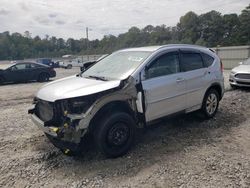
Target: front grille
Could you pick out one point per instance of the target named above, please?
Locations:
(44, 110)
(243, 83)
(242, 76)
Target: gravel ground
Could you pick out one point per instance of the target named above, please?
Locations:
(186, 151)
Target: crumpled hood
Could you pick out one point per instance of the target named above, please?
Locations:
(74, 86)
(242, 69)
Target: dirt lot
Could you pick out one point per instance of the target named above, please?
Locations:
(182, 152)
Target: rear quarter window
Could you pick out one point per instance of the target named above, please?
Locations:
(208, 60)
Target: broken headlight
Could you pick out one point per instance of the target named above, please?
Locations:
(78, 106)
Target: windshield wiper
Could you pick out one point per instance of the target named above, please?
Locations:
(98, 78)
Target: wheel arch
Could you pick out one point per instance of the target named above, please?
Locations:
(43, 72)
(116, 106)
(217, 87)
(38, 77)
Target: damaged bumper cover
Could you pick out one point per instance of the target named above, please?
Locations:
(71, 127)
(40, 124)
(65, 133)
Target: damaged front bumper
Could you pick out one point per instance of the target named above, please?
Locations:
(48, 130)
(66, 132)
(66, 138)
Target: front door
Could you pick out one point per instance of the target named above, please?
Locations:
(18, 73)
(164, 87)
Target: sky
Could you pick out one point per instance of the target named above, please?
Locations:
(69, 18)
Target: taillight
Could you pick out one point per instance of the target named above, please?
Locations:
(221, 66)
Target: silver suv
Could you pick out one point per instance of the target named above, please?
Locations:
(127, 90)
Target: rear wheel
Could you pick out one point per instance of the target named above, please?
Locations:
(43, 77)
(114, 134)
(210, 103)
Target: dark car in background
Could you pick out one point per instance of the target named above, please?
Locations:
(26, 71)
(46, 61)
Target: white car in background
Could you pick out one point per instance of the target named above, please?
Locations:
(240, 75)
(68, 64)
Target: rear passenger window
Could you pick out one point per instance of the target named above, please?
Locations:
(35, 66)
(164, 65)
(207, 59)
(191, 61)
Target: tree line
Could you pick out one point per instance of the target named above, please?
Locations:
(210, 29)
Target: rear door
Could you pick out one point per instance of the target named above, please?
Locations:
(33, 70)
(164, 87)
(196, 75)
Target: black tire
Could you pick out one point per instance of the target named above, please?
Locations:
(43, 77)
(210, 103)
(69, 66)
(115, 134)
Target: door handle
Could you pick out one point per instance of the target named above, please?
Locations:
(178, 80)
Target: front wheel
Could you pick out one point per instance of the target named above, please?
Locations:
(210, 103)
(114, 134)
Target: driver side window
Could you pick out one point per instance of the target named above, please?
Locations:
(164, 65)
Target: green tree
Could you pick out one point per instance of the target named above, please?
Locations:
(188, 27)
(209, 29)
(231, 28)
(244, 30)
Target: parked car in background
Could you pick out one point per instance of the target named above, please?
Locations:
(240, 75)
(26, 71)
(56, 64)
(88, 64)
(125, 91)
(46, 61)
(68, 64)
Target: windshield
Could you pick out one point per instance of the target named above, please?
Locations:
(5, 66)
(118, 65)
(247, 62)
